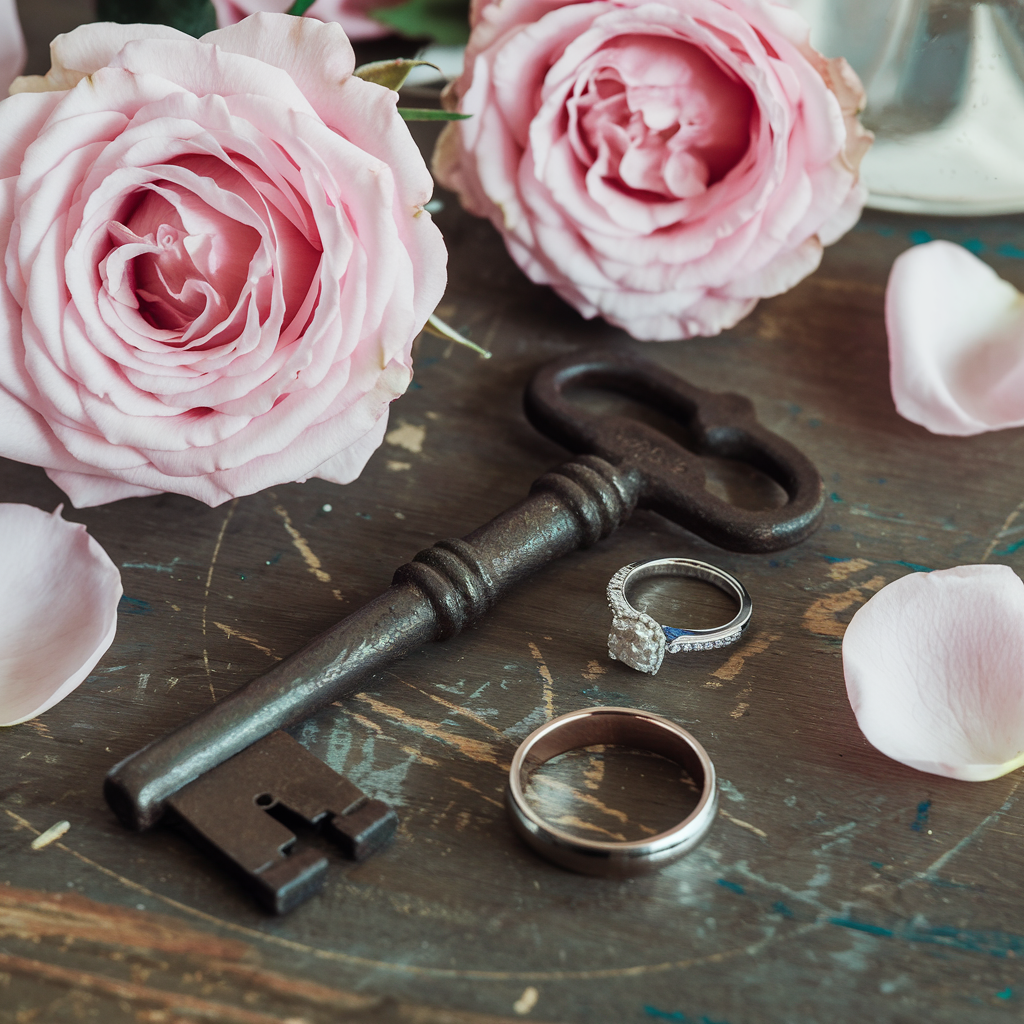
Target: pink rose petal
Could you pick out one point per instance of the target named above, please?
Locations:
(956, 341)
(58, 609)
(661, 163)
(934, 667)
(12, 45)
(216, 260)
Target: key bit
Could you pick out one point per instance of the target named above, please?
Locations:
(621, 464)
(241, 811)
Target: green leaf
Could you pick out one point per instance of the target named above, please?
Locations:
(300, 7)
(426, 114)
(196, 17)
(444, 21)
(391, 73)
(435, 325)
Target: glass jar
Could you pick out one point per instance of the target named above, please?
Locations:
(945, 87)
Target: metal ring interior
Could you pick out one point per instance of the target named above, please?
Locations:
(683, 639)
(623, 727)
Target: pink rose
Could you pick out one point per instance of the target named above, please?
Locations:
(664, 165)
(217, 260)
(12, 45)
(351, 15)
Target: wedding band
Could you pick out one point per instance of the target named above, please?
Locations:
(623, 727)
(641, 642)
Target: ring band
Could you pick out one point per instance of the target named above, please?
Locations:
(624, 727)
(641, 642)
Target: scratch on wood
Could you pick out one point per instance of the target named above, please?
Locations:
(595, 773)
(586, 798)
(206, 592)
(820, 617)
(742, 706)
(473, 789)
(594, 669)
(457, 709)
(302, 546)
(844, 570)
(1001, 532)
(931, 872)
(571, 819)
(476, 750)
(756, 645)
(39, 727)
(743, 824)
(248, 639)
(408, 436)
(548, 692)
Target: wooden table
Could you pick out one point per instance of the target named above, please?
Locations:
(837, 885)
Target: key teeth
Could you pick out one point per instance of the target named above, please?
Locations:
(281, 887)
(362, 832)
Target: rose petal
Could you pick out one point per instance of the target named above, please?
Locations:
(58, 609)
(12, 45)
(934, 667)
(956, 341)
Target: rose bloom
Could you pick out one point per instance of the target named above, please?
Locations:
(663, 165)
(352, 15)
(217, 260)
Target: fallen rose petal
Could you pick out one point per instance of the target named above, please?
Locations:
(934, 667)
(58, 609)
(956, 341)
(12, 45)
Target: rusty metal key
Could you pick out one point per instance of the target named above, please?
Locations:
(231, 762)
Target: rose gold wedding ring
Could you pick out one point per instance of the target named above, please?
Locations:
(623, 727)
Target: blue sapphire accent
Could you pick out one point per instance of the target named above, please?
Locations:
(671, 633)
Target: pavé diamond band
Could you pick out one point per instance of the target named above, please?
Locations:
(640, 642)
(625, 727)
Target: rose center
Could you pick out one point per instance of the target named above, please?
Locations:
(657, 116)
(185, 275)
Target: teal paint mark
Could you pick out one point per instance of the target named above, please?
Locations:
(781, 908)
(708, 1020)
(834, 528)
(732, 886)
(920, 236)
(653, 1011)
(814, 423)
(975, 245)
(877, 865)
(415, 385)
(241, 576)
(860, 926)
(921, 821)
(1007, 993)
(1010, 548)
(966, 940)
(156, 567)
(911, 565)
(835, 497)
(1013, 252)
(275, 559)
(364, 515)
(834, 558)
(133, 606)
(882, 480)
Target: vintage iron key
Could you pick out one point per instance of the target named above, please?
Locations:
(200, 769)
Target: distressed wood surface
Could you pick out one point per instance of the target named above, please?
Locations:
(835, 886)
